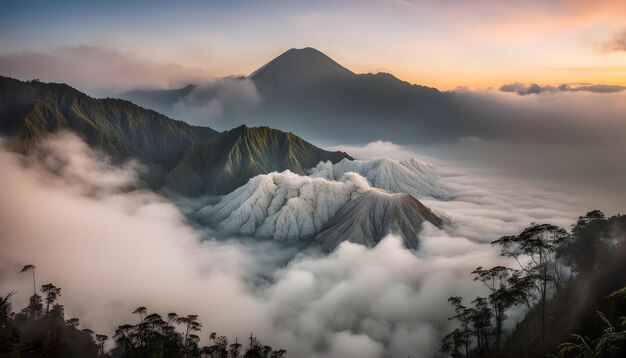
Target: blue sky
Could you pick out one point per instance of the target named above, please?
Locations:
(439, 43)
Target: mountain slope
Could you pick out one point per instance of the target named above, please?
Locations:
(282, 206)
(376, 213)
(411, 176)
(305, 91)
(225, 163)
(31, 110)
(299, 66)
(187, 159)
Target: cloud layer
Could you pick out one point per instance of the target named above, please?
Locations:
(97, 70)
(524, 89)
(617, 44)
(69, 213)
(214, 99)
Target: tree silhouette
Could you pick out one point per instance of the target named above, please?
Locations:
(234, 350)
(101, 339)
(464, 316)
(6, 309)
(141, 311)
(191, 325)
(539, 245)
(34, 308)
(51, 293)
(74, 322)
(32, 269)
(501, 297)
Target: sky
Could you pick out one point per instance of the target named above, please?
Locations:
(444, 44)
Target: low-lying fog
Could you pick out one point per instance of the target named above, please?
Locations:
(69, 212)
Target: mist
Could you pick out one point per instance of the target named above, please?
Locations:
(98, 70)
(226, 96)
(68, 211)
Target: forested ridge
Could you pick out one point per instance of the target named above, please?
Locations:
(41, 330)
(569, 283)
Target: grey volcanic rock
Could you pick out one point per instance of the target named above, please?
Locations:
(376, 213)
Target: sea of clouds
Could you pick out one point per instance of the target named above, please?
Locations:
(70, 212)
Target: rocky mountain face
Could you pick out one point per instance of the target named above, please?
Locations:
(375, 214)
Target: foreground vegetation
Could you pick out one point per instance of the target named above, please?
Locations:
(569, 283)
(41, 330)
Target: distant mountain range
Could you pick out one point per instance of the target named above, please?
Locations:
(305, 91)
(184, 158)
(263, 172)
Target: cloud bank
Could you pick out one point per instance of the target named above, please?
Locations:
(97, 70)
(214, 99)
(524, 89)
(617, 44)
(111, 250)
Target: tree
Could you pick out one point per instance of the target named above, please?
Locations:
(452, 343)
(101, 339)
(191, 325)
(141, 311)
(123, 339)
(34, 308)
(73, 322)
(501, 297)
(278, 353)
(481, 321)
(535, 251)
(219, 349)
(32, 269)
(171, 317)
(9, 335)
(464, 316)
(6, 309)
(234, 350)
(591, 243)
(52, 293)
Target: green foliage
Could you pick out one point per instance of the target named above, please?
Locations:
(228, 161)
(611, 344)
(559, 278)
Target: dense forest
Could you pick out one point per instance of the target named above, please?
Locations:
(41, 330)
(570, 284)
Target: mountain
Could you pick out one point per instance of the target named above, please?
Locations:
(305, 91)
(411, 176)
(225, 163)
(282, 206)
(299, 66)
(31, 110)
(187, 159)
(290, 207)
(375, 214)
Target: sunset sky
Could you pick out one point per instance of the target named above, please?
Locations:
(444, 44)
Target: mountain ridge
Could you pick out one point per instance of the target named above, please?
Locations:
(305, 91)
(177, 154)
(242, 153)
